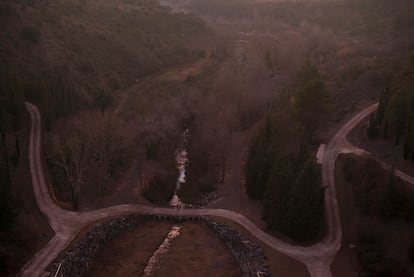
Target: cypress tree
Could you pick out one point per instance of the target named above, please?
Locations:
(372, 127)
(7, 212)
(16, 154)
(260, 162)
(385, 130)
(406, 149)
(304, 215)
(391, 200)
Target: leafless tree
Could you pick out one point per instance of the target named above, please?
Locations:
(72, 155)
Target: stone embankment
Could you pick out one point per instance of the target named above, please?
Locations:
(207, 199)
(76, 261)
(248, 254)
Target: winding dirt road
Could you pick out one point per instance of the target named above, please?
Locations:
(67, 224)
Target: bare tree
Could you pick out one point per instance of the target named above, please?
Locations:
(107, 137)
(72, 155)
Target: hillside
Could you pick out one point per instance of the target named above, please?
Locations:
(210, 103)
(106, 44)
(68, 56)
(357, 45)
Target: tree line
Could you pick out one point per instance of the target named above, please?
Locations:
(11, 117)
(394, 118)
(56, 97)
(364, 17)
(52, 95)
(281, 169)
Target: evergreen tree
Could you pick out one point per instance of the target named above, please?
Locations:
(260, 161)
(395, 114)
(303, 219)
(7, 212)
(293, 202)
(373, 126)
(312, 99)
(16, 154)
(406, 149)
(391, 200)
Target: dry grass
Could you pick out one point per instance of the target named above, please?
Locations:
(197, 249)
(127, 255)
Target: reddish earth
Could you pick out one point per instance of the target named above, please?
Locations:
(128, 254)
(197, 249)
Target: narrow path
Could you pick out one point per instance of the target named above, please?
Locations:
(67, 224)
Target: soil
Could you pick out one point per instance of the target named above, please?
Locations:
(197, 249)
(128, 254)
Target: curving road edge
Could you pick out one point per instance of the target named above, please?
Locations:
(67, 224)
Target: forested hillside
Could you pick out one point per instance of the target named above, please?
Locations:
(362, 17)
(142, 103)
(70, 55)
(98, 46)
(73, 59)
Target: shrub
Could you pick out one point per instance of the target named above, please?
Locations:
(6, 10)
(114, 84)
(31, 34)
(152, 148)
(411, 253)
(160, 189)
(86, 68)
